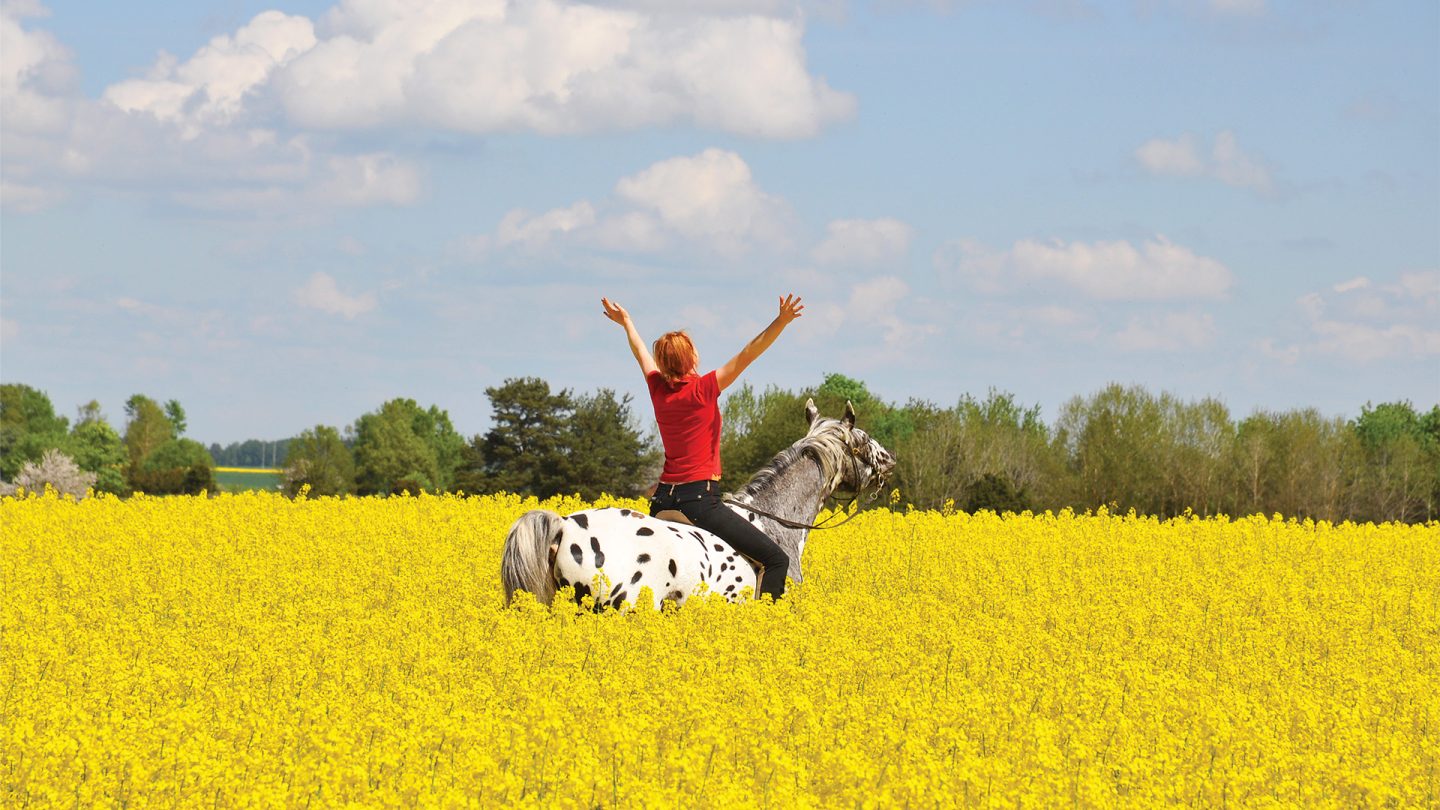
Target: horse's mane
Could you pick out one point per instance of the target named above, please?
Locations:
(825, 442)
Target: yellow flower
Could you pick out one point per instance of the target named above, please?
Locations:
(252, 650)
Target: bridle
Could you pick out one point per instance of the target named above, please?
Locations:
(854, 458)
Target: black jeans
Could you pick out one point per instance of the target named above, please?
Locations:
(700, 501)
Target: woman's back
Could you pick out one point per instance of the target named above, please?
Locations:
(687, 412)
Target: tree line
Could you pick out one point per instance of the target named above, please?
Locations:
(1121, 447)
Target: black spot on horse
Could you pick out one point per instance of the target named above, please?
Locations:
(698, 536)
(644, 531)
(599, 555)
(730, 559)
(719, 547)
(564, 582)
(581, 591)
(642, 559)
(675, 530)
(620, 600)
(673, 569)
(676, 595)
(739, 579)
(577, 553)
(615, 589)
(635, 578)
(729, 588)
(583, 521)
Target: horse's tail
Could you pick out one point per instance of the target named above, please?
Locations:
(525, 564)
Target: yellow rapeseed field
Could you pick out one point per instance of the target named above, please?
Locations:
(250, 650)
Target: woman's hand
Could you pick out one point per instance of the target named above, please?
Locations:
(790, 309)
(615, 312)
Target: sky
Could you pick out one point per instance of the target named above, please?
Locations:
(283, 214)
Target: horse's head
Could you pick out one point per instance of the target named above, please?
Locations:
(860, 462)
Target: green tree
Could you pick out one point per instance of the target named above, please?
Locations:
(89, 412)
(404, 447)
(96, 447)
(318, 457)
(889, 425)
(28, 427)
(1401, 461)
(176, 415)
(146, 428)
(1197, 444)
(177, 467)
(1297, 463)
(931, 466)
(755, 427)
(604, 451)
(525, 449)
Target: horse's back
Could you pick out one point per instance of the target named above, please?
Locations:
(612, 553)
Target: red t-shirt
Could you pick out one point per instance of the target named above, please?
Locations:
(688, 413)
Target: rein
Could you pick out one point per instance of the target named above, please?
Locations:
(796, 524)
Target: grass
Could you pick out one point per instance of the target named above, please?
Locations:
(244, 479)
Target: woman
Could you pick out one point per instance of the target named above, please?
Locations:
(687, 409)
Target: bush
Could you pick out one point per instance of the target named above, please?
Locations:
(55, 469)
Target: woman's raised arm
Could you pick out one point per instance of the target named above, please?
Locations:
(790, 308)
(617, 313)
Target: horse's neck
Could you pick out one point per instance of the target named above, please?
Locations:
(795, 493)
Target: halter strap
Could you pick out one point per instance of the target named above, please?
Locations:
(854, 458)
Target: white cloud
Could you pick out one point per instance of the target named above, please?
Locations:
(322, 293)
(556, 67)
(708, 201)
(710, 196)
(1421, 288)
(1362, 342)
(1218, 9)
(864, 242)
(36, 81)
(368, 180)
(1157, 269)
(211, 87)
(1226, 162)
(27, 198)
(1248, 8)
(242, 121)
(1176, 157)
(876, 303)
(1364, 322)
(35, 73)
(1166, 331)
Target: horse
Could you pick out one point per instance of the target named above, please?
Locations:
(625, 550)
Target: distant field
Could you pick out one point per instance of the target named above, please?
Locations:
(241, 479)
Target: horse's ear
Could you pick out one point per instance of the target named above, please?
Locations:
(811, 412)
(849, 414)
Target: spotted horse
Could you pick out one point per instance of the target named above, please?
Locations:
(612, 553)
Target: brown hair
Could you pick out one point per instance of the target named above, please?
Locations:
(675, 355)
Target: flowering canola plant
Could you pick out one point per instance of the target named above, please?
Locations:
(249, 650)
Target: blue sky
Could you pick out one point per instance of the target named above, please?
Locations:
(283, 214)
